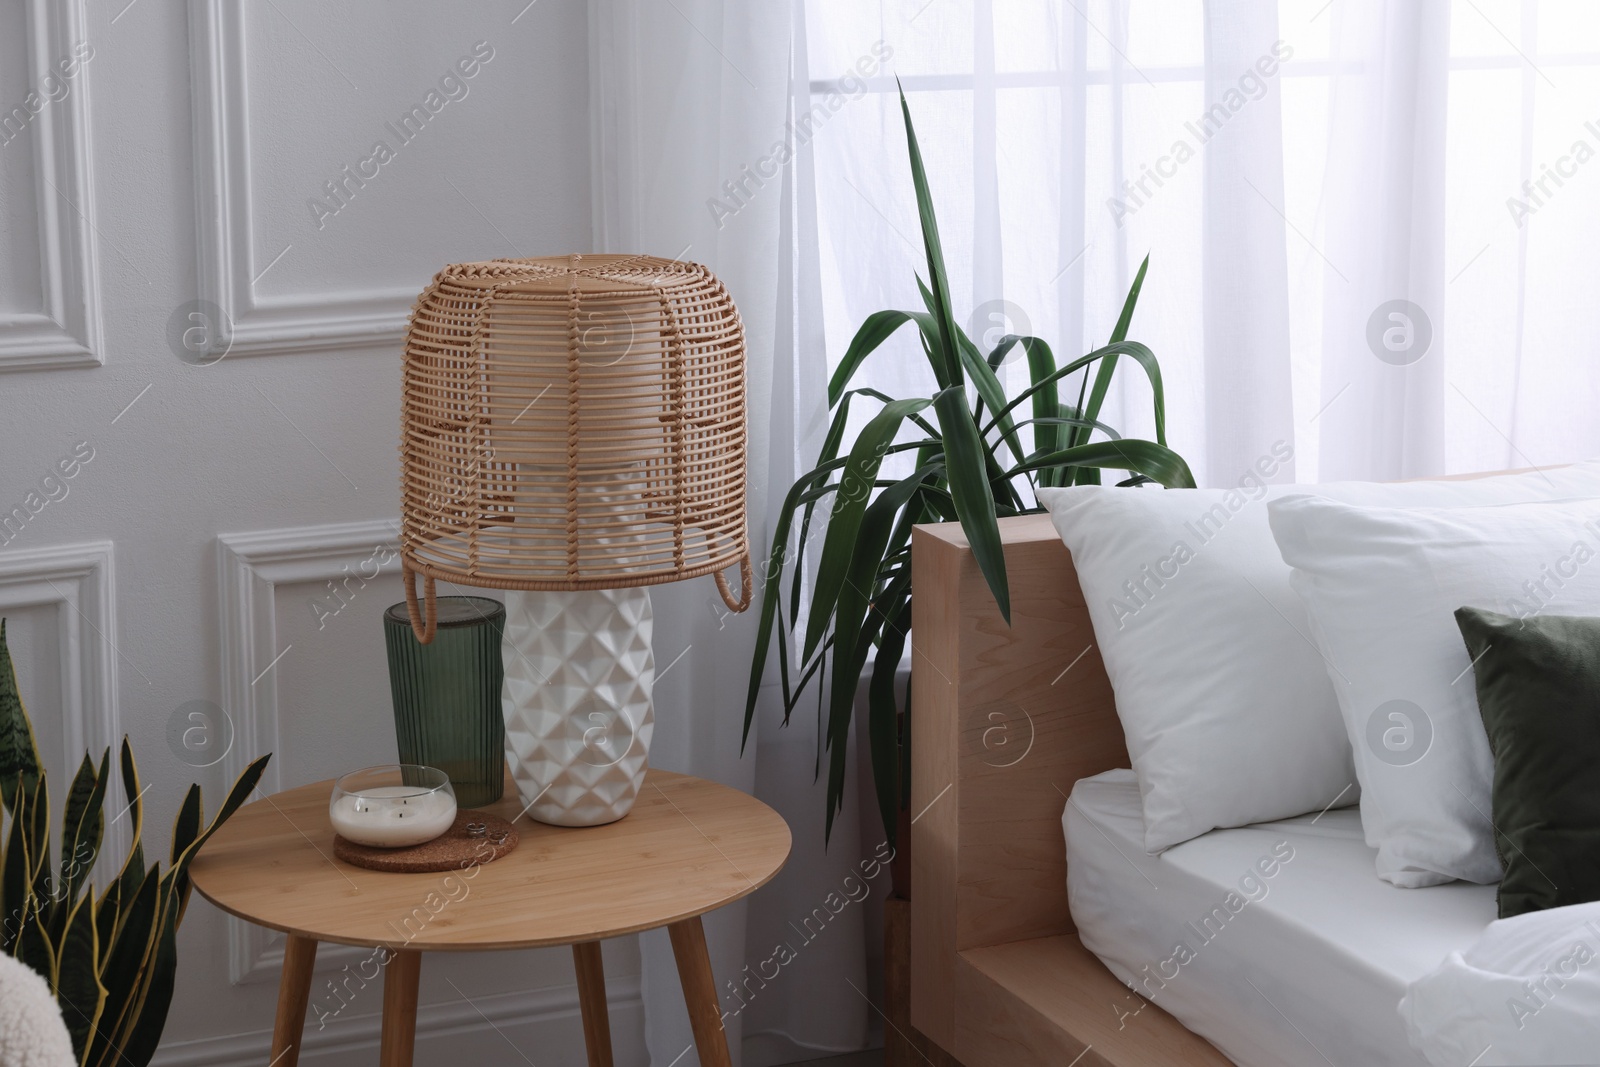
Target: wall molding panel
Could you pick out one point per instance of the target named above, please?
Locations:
(78, 581)
(66, 332)
(227, 258)
(250, 568)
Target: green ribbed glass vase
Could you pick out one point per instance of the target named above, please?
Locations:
(447, 694)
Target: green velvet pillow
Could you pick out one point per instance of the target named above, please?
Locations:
(1539, 695)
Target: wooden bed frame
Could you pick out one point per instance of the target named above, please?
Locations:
(1004, 721)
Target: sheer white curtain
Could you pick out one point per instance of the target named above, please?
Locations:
(1369, 223)
(695, 158)
(1344, 255)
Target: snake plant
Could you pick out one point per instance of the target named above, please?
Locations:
(979, 458)
(110, 959)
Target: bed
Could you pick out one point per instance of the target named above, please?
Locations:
(1300, 966)
(1006, 722)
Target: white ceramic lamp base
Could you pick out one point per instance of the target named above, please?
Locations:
(578, 674)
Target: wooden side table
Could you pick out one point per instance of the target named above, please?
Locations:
(688, 846)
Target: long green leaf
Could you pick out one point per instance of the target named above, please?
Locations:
(849, 664)
(770, 599)
(243, 786)
(133, 871)
(131, 950)
(185, 839)
(1102, 381)
(872, 538)
(130, 784)
(32, 945)
(1067, 420)
(816, 760)
(883, 716)
(82, 828)
(937, 502)
(860, 470)
(896, 560)
(1139, 353)
(79, 992)
(246, 783)
(15, 872)
(829, 452)
(106, 913)
(797, 495)
(19, 751)
(1156, 462)
(852, 637)
(990, 391)
(945, 351)
(914, 512)
(917, 420)
(965, 453)
(1006, 500)
(39, 844)
(969, 488)
(186, 826)
(816, 667)
(1125, 320)
(878, 328)
(142, 1030)
(1046, 401)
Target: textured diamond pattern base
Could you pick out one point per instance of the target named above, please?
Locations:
(579, 669)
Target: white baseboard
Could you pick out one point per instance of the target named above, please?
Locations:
(541, 1024)
(769, 1048)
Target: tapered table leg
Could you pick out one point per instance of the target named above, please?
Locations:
(294, 992)
(592, 999)
(400, 1009)
(699, 991)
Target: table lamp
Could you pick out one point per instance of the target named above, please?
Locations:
(573, 432)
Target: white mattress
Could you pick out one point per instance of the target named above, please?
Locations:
(1308, 974)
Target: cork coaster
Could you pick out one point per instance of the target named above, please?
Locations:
(451, 851)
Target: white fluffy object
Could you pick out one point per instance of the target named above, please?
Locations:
(31, 1031)
(1527, 992)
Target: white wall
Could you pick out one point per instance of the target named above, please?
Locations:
(176, 165)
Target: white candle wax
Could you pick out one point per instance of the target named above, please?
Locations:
(392, 816)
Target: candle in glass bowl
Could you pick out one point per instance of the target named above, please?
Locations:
(392, 806)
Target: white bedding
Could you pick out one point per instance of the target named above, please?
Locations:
(1528, 992)
(1292, 951)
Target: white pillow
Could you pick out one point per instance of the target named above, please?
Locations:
(1225, 703)
(1381, 586)
(1527, 991)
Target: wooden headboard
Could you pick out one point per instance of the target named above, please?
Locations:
(1005, 719)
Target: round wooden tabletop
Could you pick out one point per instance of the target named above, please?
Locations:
(687, 847)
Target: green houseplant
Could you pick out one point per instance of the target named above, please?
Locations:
(972, 463)
(111, 959)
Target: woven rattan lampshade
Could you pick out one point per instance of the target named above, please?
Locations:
(573, 423)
